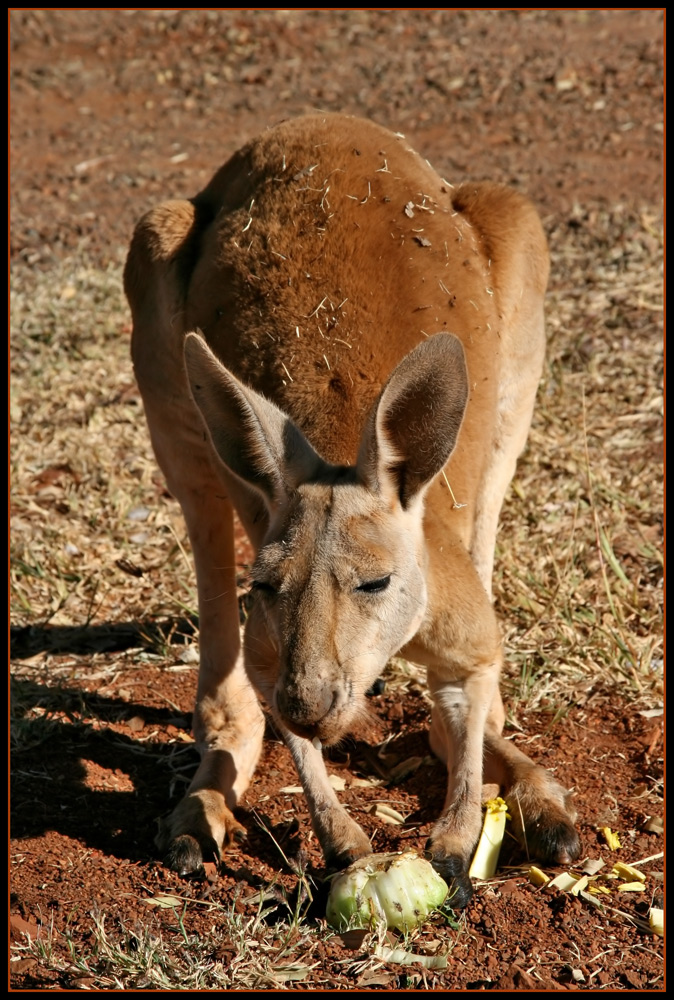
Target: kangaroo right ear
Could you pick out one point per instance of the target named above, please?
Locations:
(413, 426)
(256, 440)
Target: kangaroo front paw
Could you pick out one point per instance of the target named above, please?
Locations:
(337, 860)
(186, 855)
(544, 825)
(342, 839)
(197, 831)
(455, 874)
(550, 837)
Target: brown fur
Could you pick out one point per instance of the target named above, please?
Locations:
(397, 325)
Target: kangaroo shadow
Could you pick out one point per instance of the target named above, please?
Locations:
(83, 640)
(85, 779)
(403, 761)
(75, 771)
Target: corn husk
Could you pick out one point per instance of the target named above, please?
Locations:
(656, 920)
(537, 877)
(611, 838)
(623, 870)
(485, 860)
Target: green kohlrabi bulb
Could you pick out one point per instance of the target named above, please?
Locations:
(398, 889)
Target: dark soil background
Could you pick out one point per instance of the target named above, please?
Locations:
(114, 110)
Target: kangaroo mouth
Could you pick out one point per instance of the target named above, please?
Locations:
(327, 730)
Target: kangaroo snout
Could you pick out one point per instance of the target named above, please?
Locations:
(311, 708)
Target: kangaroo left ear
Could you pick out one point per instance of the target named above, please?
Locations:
(255, 439)
(413, 426)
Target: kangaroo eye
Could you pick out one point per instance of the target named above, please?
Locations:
(260, 587)
(374, 586)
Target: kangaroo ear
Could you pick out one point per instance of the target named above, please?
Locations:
(159, 266)
(413, 426)
(256, 440)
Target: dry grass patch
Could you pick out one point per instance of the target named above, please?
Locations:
(96, 539)
(580, 560)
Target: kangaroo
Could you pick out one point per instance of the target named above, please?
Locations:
(344, 348)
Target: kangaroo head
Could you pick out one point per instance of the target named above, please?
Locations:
(340, 577)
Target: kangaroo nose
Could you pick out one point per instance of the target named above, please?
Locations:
(303, 710)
